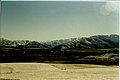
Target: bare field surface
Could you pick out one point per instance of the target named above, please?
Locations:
(51, 71)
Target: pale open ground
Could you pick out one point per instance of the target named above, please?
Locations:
(50, 71)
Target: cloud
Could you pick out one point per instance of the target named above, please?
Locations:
(109, 7)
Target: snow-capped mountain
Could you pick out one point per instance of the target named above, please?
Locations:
(13, 43)
(56, 42)
(5, 41)
(25, 43)
(35, 44)
(98, 41)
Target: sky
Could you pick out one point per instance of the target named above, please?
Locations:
(51, 20)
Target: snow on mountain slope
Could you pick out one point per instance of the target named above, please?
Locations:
(98, 41)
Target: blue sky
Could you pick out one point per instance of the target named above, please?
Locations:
(41, 21)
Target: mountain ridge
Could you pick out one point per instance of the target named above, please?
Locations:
(96, 41)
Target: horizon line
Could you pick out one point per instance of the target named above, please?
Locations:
(57, 39)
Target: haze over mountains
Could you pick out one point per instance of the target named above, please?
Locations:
(98, 41)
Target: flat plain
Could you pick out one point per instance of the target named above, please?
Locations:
(52, 71)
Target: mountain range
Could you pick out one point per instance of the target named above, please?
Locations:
(97, 41)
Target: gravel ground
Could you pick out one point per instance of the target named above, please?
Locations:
(46, 71)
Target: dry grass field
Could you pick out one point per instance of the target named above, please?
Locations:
(51, 71)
